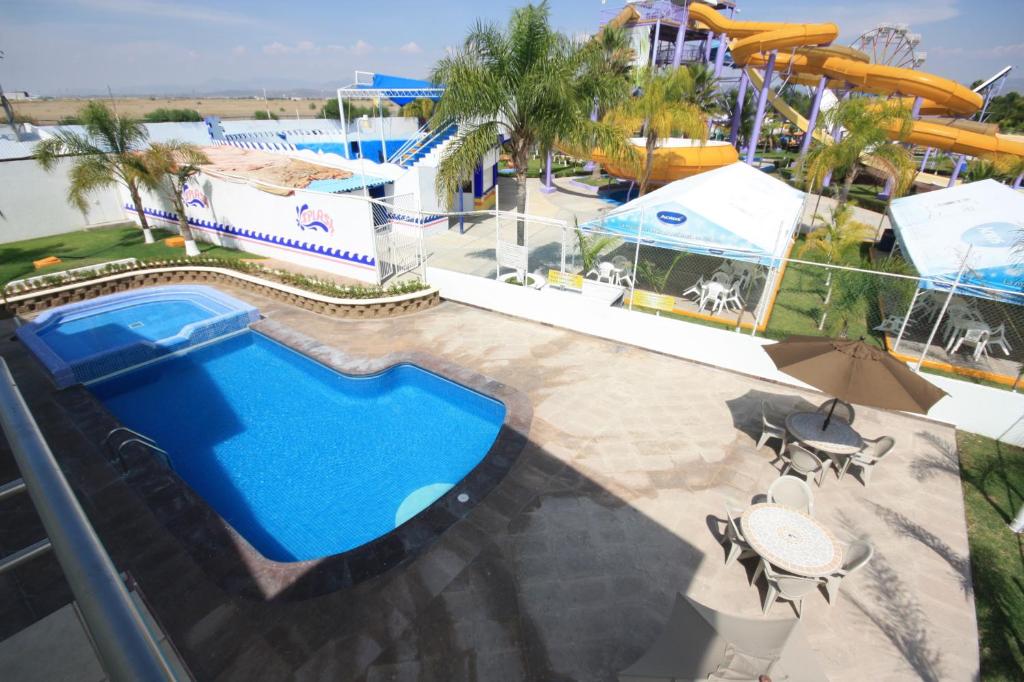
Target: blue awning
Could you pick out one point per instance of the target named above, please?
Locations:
(400, 90)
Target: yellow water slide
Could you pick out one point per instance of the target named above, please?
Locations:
(676, 157)
(802, 51)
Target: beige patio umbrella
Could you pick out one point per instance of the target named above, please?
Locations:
(854, 371)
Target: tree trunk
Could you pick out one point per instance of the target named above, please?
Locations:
(147, 234)
(183, 228)
(520, 204)
(645, 180)
(844, 194)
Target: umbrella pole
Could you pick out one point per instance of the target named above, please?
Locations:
(824, 427)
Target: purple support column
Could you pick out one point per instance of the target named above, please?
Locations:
(762, 100)
(1016, 183)
(812, 120)
(707, 47)
(681, 37)
(837, 134)
(956, 171)
(654, 45)
(548, 187)
(720, 55)
(737, 114)
(927, 153)
(915, 111)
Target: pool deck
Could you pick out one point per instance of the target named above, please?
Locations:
(567, 570)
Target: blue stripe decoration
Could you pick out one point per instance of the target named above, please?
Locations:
(274, 240)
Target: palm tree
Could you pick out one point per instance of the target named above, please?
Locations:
(421, 108)
(660, 110)
(838, 236)
(104, 155)
(523, 86)
(727, 103)
(610, 56)
(704, 91)
(590, 247)
(171, 165)
(868, 125)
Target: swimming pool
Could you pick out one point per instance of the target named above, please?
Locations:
(303, 461)
(82, 341)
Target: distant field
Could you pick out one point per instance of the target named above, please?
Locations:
(49, 112)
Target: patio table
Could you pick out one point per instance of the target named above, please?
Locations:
(838, 439)
(789, 539)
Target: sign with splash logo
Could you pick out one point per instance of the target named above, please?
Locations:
(313, 219)
(193, 196)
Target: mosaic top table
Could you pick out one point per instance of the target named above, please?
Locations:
(791, 540)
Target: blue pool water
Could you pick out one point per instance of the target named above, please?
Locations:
(303, 461)
(74, 339)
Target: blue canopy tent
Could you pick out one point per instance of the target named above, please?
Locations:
(978, 222)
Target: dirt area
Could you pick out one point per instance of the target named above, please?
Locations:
(48, 112)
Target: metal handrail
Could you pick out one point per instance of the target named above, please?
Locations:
(119, 429)
(420, 134)
(440, 130)
(149, 444)
(125, 646)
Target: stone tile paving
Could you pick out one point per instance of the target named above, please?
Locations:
(567, 570)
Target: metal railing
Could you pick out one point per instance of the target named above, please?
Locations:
(125, 646)
(412, 141)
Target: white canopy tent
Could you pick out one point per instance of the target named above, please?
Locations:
(980, 222)
(736, 211)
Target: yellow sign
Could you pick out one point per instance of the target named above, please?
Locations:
(654, 301)
(566, 280)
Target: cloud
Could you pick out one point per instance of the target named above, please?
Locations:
(169, 10)
(360, 48)
(410, 48)
(238, 50)
(302, 47)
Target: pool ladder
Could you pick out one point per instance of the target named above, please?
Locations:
(136, 437)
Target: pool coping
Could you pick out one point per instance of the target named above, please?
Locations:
(239, 568)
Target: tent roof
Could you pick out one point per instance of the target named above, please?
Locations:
(399, 90)
(979, 221)
(733, 212)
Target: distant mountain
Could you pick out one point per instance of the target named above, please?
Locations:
(276, 88)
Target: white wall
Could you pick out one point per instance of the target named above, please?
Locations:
(239, 216)
(34, 202)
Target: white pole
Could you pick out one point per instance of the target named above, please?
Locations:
(636, 257)
(906, 319)
(942, 313)
(266, 105)
(344, 123)
(1017, 525)
(380, 121)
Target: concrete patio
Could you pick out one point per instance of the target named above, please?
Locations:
(567, 571)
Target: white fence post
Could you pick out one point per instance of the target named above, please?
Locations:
(906, 318)
(942, 312)
(636, 258)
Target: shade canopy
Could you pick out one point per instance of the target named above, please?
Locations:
(400, 90)
(854, 371)
(979, 221)
(735, 211)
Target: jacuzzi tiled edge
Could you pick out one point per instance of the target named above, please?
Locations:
(236, 316)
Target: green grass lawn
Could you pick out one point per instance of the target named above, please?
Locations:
(86, 247)
(993, 480)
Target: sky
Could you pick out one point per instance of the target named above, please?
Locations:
(60, 47)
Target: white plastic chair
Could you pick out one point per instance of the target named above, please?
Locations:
(998, 338)
(734, 540)
(720, 277)
(697, 289)
(792, 492)
(843, 410)
(770, 430)
(783, 586)
(604, 272)
(732, 299)
(869, 456)
(802, 462)
(855, 556)
(976, 338)
(623, 270)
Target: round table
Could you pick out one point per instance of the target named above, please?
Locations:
(838, 439)
(791, 540)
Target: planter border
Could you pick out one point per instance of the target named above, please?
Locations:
(354, 308)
